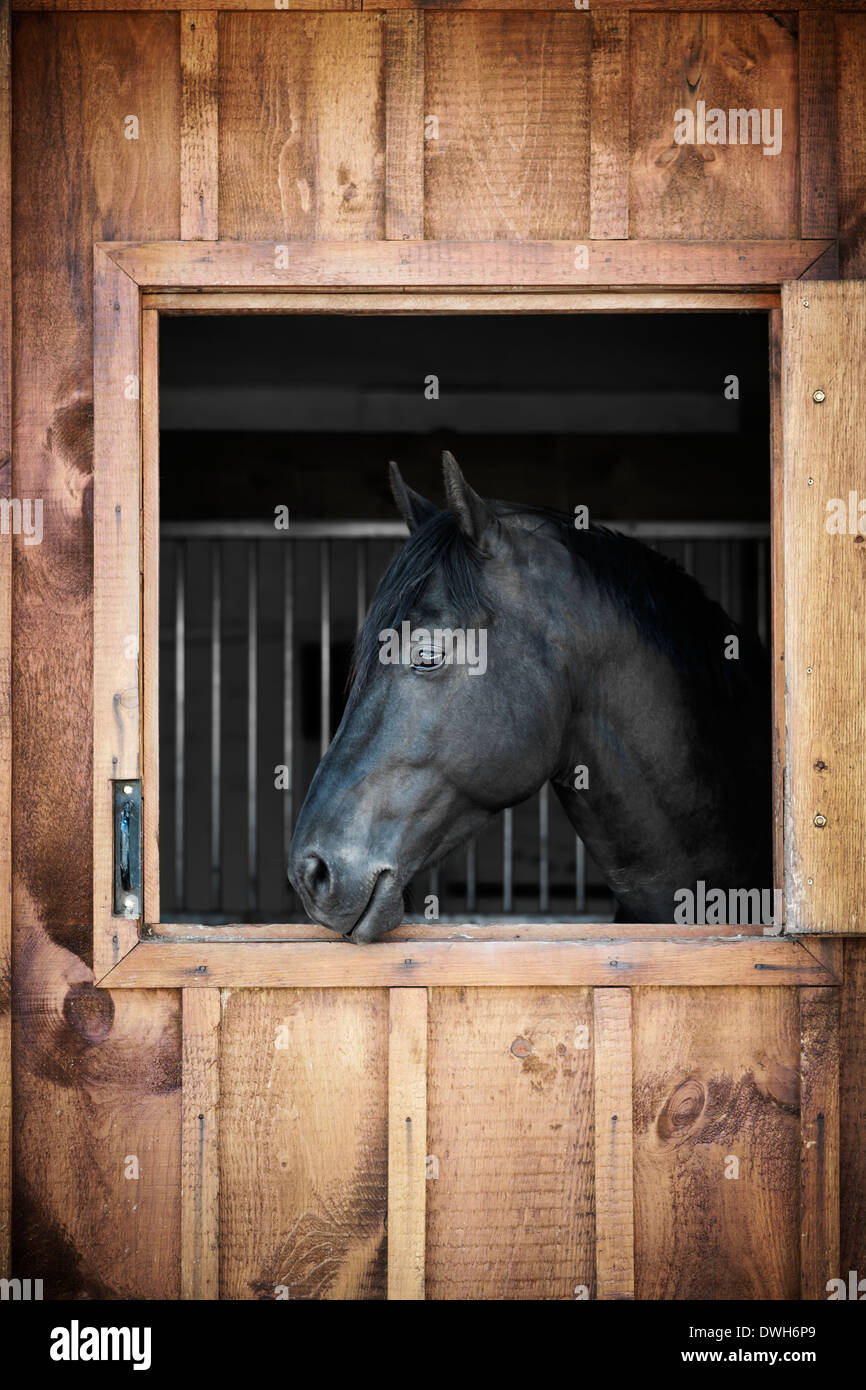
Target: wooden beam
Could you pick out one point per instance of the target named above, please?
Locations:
(614, 1180)
(609, 132)
(407, 1142)
(531, 932)
(416, 264)
(698, 6)
(5, 648)
(116, 582)
(818, 126)
(404, 126)
(200, 1145)
(399, 301)
(772, 961)
(819, 1128)
(199, 147)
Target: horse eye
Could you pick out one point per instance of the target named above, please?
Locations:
(427, 658)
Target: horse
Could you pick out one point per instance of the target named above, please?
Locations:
(608, 672)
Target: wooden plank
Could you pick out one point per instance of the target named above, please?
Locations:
(97, 1078)
(150, 612)
(199, 147)
(470, 302)
(824, 609)
(301, 154)
(5, 649)
(702, 190)
(818, 125)
(510, 1134)
(614, 1180)
(303, 1144)
(416, 264)
(200, 1158)
(720, 6)
(609, 134)
(116, 584)
(194, 5)
(716, 1138)
(509, 157)
(777, 596)
(851, 142)
(819, 1125)
(404, 126)
(300, 965)
(852, 1166)
(444, 931)
(407, 1142)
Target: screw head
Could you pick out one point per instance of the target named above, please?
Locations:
(818, 397)
(805, 303)
(129, 902)
(127, 790)
(811, 481)
(820, 821)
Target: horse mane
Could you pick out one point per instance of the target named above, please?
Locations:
(669, 608)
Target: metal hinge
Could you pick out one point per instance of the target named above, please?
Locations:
(127, 848)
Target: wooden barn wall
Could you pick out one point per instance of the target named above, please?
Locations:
(553, 124)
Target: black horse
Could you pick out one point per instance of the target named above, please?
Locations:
(598, 654)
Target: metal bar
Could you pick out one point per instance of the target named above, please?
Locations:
(360, 584)
(579, 875)
(725, 575)
(434, 889)
(471, 876)
(288, 679)
(325, 640)
(689, 556)
(544, 849)
(179, 715)
(216, 725)
(252, 724)
(396, 530)
(761, 586)
(507, 860)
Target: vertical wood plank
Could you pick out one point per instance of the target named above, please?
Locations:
(404, 126)
(817, 48)
(614, 1177)
(701, 191)
(819, 1126)
(510, 1200)
(777, 596)
(116, 583)
(5, 646)
(716, 1143)
(150, 612)
(824, 325)
(200, 1145)
(851, 141)
(407, 1142)
(609, 135)
(511, 94)
(852, 1166)
(303, 1144)
(199, 152)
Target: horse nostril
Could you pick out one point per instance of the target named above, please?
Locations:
(315, 873)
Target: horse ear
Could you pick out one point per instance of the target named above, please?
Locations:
(476, 518)
(413, 508)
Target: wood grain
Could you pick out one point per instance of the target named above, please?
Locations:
(818, 125)
(716, 1080)
(731, 61)
(199, 137)
(853, 1110)
(97, 1078)
(510, 1134)
(407, 1142)
(777, 594)
(819, 1124)
(150, 613)
(824, 610)
(302, 155)
(468, 302)
(614, 1177)
(200, 1144)
(851, 141)
(312, 964)
(303, 1143)
(609, 135)
(404, 126)
(511, 94)
(5, 648)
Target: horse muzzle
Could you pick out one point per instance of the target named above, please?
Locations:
(359, 911)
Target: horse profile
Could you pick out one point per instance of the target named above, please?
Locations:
(606, 671)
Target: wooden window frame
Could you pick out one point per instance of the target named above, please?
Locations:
(135, 283)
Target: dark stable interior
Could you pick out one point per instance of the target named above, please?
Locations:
(635, 416)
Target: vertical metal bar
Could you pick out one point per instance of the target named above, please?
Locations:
(507, 860)
(737, 576)
(360, 584)
(215, 723)
(434, 887)
(761, 585)
(325, 640)
(689, 557)
(725, 575)
(288, 677)
(252, 722)
(471, 876)
(544, 849)
(579, 874)
(179, 715)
